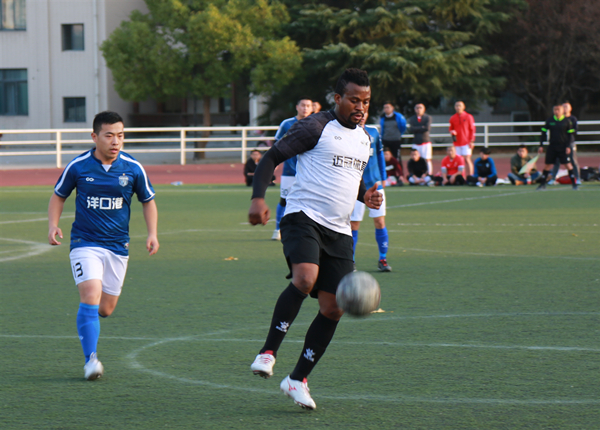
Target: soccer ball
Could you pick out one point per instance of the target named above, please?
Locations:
(358, 294)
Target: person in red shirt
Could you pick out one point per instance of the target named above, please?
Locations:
(462, 129)
(453, 166)
(395, 174)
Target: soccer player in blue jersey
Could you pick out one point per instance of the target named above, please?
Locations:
(304, 108)
(374, 174)
(106, 179)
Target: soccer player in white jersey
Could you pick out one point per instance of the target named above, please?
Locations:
(333, 152)
(106, 179)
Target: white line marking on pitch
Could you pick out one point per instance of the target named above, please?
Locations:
(486, 254)
(34, 248)
(33, 220)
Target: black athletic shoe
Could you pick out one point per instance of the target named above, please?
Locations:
(542, 187)
(383, 266)
(575, 187)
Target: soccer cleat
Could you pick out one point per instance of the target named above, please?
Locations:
(93, 369)
(552, 182)
(298, 391)
(575, 187)
(479, 184)
(383, 266)
(263, 365)
(276, 235)
(431, 184)
(541, 187)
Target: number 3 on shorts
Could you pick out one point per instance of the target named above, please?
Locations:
(77, 270)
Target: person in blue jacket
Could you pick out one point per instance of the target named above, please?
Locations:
(484, 170)
(374, 174)
(392, 126)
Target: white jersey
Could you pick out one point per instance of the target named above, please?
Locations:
(331, 161)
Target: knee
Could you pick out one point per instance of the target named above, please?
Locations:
(304, 282)
(331, 311)
(104, 312)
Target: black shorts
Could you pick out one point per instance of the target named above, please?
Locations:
(305, 241)
(553, 154)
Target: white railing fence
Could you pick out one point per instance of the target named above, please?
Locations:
(239, 139)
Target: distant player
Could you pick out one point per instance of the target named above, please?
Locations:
(304, 108)
(332, 153)
(559, 148)
(106, 179)
(568, 109)
(462, 129)
(374, 174)
(420, 126)
(453, 166)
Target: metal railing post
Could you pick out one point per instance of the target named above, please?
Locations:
(486, 138)
(244, 144)
(58, 148)
(182, 135)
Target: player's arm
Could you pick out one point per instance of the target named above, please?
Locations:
(381, 160)
(472, 129)
(452, 130)
(493, 171)
(151, 218)
(55, 209)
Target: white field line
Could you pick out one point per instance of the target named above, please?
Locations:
(34, 220)
(34, 248)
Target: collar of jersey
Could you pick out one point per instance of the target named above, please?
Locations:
(559, 119)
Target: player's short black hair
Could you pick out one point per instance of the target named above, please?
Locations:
(387, 149)
(522, 145)
(387, 102)
(303, 98)
(356, 76)
(106, 117)
(414, 150)
(487, 151)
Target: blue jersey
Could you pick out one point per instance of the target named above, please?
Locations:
(103, 202)
(375, 170)
(289, 165)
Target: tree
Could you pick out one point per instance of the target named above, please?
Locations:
(413, 49)
(550, 53)
(198, 47)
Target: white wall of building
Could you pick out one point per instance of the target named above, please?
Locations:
(52, 73)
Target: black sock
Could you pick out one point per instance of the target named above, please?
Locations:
(544, 177)
(572, 176)
(286, 309)
(317, 339)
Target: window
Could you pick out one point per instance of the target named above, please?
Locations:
(13, 92)
(12, 15)
(74, 109)
(72, 37)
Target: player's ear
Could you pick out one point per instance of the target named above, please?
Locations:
(94, 137)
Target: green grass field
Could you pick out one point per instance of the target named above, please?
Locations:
(491, 318)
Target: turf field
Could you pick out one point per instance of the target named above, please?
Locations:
(491, 318)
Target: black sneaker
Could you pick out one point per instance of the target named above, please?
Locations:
(383, 266)
(542, 187)
(575, 187)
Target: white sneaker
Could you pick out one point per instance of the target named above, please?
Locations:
(298, 391)
(93, 369)
(263, 365)
(479, 184)
(276, 235)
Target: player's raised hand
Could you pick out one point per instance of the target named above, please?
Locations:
(52, 233)
(259, 212)
(152, 245)
(373, 198)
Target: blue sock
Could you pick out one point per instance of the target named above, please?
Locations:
(354, 241)
(381, 236)
(88, 327)
(279, 214)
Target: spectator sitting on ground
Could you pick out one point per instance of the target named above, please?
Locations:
(517, 162)
(418, 169)
(453, 166)
(250, 166)
(393, 169)
(484, 170)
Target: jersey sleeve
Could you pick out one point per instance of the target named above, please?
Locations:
(282, 130)
(66, 182)
(303, 135)
(380, 158)
(493, 171)
(142, 186)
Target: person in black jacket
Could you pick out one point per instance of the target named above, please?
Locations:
(559, 148)
(420, 126)
(568, 108)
